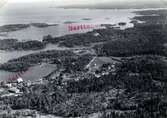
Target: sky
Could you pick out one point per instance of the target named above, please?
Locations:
(57, 2)
(80, 2)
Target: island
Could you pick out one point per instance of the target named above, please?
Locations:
(118, 74)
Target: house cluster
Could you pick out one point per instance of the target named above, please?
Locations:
(98, 66)
(12, 88)
(102, 66)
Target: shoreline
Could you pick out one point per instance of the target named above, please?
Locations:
(125, 76)
(56, 40)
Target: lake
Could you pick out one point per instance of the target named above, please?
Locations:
(26, 14)
(17, 14)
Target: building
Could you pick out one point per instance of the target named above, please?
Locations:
(98, 62)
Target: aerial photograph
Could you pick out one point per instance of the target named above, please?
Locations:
(83, 58)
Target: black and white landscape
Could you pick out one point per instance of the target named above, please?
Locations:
(115, 70)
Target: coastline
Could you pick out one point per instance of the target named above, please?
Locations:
(62, 41)
(122, 75)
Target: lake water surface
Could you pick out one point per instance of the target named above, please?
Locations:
(26, 14)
